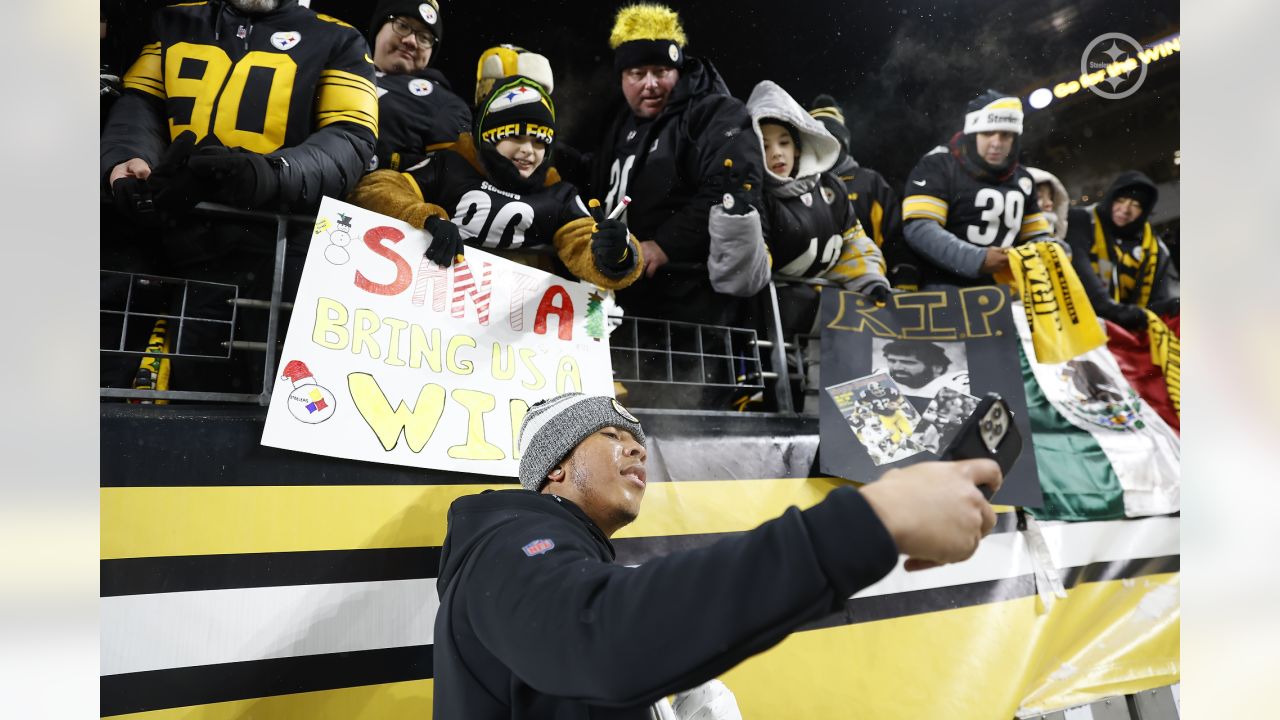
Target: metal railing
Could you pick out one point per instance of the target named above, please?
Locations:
(273, 307)
(738, 366)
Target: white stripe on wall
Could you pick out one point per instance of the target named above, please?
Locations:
(1005, 555)
(181, 629)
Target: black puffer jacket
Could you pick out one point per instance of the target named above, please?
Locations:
(536, 621)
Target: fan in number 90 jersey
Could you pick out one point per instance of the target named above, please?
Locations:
(489, 216)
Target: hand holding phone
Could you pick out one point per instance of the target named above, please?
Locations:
(988, 433)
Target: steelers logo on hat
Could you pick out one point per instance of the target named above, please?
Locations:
(428, 13)
(420, 87)
(673, 52)
(617, 406)
(518, 95)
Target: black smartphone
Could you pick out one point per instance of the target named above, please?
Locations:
(988, 433)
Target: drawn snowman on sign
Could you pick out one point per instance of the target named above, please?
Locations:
(336, 253)
(308, 402)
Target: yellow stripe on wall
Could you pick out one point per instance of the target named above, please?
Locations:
(389, 700)
(172, 521)
(973, 663)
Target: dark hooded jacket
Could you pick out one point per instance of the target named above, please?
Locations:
(674, 161)
(535, 620)
(1127, 242)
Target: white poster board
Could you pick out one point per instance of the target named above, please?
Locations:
(393, 359)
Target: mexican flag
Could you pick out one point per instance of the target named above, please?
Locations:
(1102, 448)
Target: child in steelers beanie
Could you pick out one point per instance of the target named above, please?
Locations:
(496, 188)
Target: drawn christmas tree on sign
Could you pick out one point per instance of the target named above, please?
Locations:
(595, 315)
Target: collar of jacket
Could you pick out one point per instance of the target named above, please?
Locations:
(790, 187)
(581, 515)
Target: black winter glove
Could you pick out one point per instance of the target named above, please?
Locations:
(446, 241)
(611, 249)
(879, 294)
(173, 186)
(1129, 317)
(1165, 308)
(134, 200)
(736, 192)
(236, 177)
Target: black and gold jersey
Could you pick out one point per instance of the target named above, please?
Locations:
(258, 82)
(886, 401)
(489, 216)
(417, 114)
(982, 213)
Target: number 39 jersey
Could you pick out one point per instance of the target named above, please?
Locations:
(986, 214)
(489, 216)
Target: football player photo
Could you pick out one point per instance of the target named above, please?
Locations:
(880, 417)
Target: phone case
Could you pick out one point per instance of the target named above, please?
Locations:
(988, 433)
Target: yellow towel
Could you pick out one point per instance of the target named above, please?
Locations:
(1166, 354)
(1063, 324)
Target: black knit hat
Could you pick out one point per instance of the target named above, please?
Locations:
(825, 109)
(647, 34)
(428, 11)
(516, 106)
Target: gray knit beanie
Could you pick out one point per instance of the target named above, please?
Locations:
(553, 428)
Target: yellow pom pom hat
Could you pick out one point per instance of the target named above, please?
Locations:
(647, 34)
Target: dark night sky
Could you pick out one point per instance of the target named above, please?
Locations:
(903, 71)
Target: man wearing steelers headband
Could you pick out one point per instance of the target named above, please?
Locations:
(966, 203)
(500, 190)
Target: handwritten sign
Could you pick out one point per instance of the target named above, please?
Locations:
(391, 358)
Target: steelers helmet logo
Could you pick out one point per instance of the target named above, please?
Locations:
(420, 87)
(673, 52)
(1025, 184)
(828, 195)
(518, 95)
(429, 15)
(617, 406)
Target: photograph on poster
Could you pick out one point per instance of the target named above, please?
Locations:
(921, 367)
(880, 417)
(942, 420)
